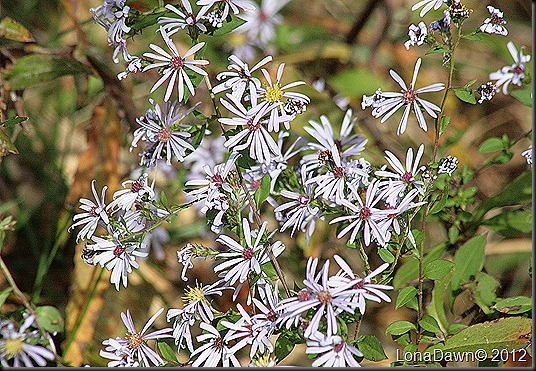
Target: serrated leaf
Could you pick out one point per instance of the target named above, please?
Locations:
(511, 223)
(166, 352)
(50, 319)
(523, 95)
(465, 95)
(4, 294)
(263, 191)
(468, 260)
(13, 30)
(437, 269)
(504, 333)
(405, 295)
(491, 145)
(371, 348)
(515, 305)
(399, 328)
(36, 68)
(430, 324)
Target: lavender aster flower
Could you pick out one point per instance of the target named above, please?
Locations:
(332, 351)
(511, 74)
(494, 24)
(94, 213)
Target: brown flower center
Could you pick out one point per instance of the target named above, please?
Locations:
(339, 347)
(303, 295)
(409, 96)
(407, 177)
(135, 187)
(252, 126)
(134, 340)
(176, 63)
(365, 213)
(518, 70)
(248, 253)
(303, 200)
(164, 135)
(338, 172)
(119, 250)
(324, 297)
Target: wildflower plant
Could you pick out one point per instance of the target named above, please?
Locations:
(263, 167)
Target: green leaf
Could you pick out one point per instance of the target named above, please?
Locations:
(399, 328)
(517, 192)
(263, 191)
(437, 269)
(13, 30)
(405, 295)
(283, 346)
(445, 120)
(468, 261)
(523, 95)
(430, 324)
(511, 223)
(49, 318)
(491, 145)
(504, 333)
(137, 20)
(6, 146)
(13, 121)
(438, 48)
(4, 294)
(371, 348)
(472, 36)
(515, 305)
(465, 95)
(409, 271)
(229, 26)
(166, 352)
(470, 83)
(485, 288)
(163, 199)
(36, 68)
(386, 255)
(439, 205)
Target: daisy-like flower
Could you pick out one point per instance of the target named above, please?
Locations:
(528, 155)
(136, 343)
(161, 130)
(299, 212)
(184, 257)
(214, 351)
(374, 100)
(268, 305)
(228, 5)
(19, 348)
(261, 21)
(119, 354)
(273, 95)
(332, 351)
(184, 320)
(186, 19)
(262, 147)
(174, 66)
(125, 198)
(365, 289)
(326, 300)
(250, 331)
(494, 24)
(448, 165)
(239, 77)
(365, 217)
(409, 98)
(197, 302)
(403, 177)
(117, 257)
(348, 144)
(428, 5)
(417, 35)
(487, 91)
(511, 74)
(94, 213)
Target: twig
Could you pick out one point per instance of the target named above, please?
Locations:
(361, 21)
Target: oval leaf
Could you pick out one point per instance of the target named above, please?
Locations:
(50, 318)
(466, 95)
(516, 305)
(437, 269)
(371, 348)
(468, 261)
(399, 328)
(405, 295)
(491, 145)
(430, 324)
(13, 30)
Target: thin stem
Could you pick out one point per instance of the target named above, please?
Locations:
(250, 199)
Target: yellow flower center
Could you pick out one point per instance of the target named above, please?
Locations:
(12, 347)
(193, 295)
(273, 93)
(134, 340)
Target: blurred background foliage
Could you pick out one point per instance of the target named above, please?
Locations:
(81, 119)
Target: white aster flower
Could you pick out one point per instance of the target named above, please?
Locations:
(448, 165)
(239, 77)
(274, 96)
(262, 147)
(261, 21)
(94, 213)
(417, 35)
(511, 74)
(494, 24)
(136, 343)
(184, 320)
(403, 178)
(228, 5)
(528, 155)
(120, 355)
(327, 301)
(161, 130)
(174, 66)
(186, 19)
(332, 351)
(125, 198)
(214, 351)
(409, 98)
(18, 348)
(428, 4)
(117, 257)
(365, 217)
(197, 302)
(365, 289)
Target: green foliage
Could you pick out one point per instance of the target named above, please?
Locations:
(12, 30)
(511, 223)
(430, 324)
(400, 328)
(437, 269)
(523, 95)
(515, 305)
(371, 348)
(50, 318)
(5, 293)
(405, 295)
(465, 95)
(285, 343)
(166, 352)
(263, 191)
(468, 261)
